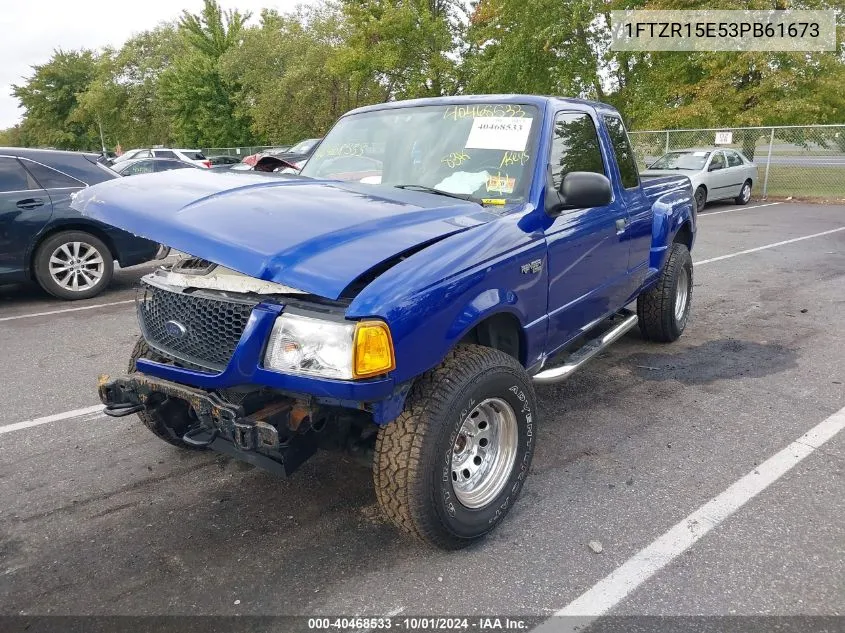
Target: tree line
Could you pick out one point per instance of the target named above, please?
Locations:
(225, 78)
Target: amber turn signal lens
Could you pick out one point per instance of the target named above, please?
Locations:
(373, 349)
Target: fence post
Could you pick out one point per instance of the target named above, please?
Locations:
(667, 142)
(768, 164)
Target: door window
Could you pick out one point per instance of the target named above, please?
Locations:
(718, 161)
(141, 167)
(50, 178)
(575, 146)
(624, 152)
(13, 176)
(733, 159)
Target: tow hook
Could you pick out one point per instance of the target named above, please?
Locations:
(123, 409)
(243, 435)
(192, 436)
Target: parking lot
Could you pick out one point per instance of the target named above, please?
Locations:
(100, 517)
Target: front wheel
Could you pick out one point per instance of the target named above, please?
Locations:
(73, 265)
(663, 310)
(450, 467)
(744, 193)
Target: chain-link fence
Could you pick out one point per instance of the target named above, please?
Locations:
(792, 161)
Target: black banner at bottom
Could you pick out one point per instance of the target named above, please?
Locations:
(374, 624)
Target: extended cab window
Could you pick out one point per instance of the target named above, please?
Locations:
(624, 153)
(575, 146)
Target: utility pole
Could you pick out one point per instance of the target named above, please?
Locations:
(102, 140)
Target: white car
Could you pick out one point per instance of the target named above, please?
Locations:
(716, 174)
(193, 156)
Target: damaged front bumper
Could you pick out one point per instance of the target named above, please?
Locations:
(279, 436)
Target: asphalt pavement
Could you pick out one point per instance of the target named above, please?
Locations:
(97, 516)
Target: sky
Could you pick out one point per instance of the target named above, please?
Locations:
(33, 29)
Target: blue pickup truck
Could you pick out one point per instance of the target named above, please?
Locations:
(401, 296)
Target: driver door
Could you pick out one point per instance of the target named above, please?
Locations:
(587, 254)
(718, 177)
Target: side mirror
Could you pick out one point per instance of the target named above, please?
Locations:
(581, 190)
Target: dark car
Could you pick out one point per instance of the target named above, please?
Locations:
(136, 166)
(296, 156)
(42, 238)
(216, 161)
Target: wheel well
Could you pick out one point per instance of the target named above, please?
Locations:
(501, 331)
(701, 187)
(684, 235)
(61, 228)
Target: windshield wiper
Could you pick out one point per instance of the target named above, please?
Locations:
(440, 192)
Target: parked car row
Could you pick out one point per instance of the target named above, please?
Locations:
(193, 156)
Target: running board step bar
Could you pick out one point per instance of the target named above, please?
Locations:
(584, 353)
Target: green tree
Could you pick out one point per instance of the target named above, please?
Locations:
(294, 74)
(536, 46)
(50, 98)
(195, 93)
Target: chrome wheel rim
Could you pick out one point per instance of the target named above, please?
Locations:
(76, 266)
(681, 295)
(746, 192)
(484, 453)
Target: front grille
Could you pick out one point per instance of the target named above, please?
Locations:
(212, 326)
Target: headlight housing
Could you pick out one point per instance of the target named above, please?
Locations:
(329, 349)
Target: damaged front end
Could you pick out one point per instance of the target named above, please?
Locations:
(266, 429)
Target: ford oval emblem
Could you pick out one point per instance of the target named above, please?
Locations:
(175, 329)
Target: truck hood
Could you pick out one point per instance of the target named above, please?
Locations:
(317, 236)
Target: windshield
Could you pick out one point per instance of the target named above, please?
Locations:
(481, 150)
(303, 147)
(682, 160)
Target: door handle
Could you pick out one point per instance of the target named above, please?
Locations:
(621, 225)
(30, 203)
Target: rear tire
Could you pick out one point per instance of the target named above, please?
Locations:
(73, 265)
(450, 467)
(663, 310)
(700, 198)
(744, 196)
(178, 417)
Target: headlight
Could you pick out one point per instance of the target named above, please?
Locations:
(330, 349)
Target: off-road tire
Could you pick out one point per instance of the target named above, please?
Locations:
(41, 265)
(700, 199)
(412, 465)
(656, 307)
(151, 420)
(741, 198)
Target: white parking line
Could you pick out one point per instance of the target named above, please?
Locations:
(621, 582)
(39, 314)
(756, 206)
(56, 417)
(767, 246)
